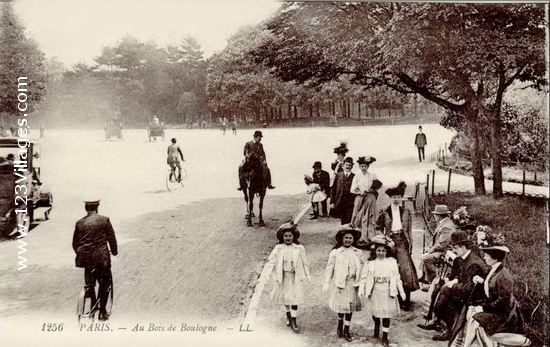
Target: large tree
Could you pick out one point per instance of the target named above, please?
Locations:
(19, 57)
(462, 57)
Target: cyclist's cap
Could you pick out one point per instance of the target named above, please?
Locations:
(91, 202)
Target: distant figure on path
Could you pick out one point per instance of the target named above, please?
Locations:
(41, 131)
(234, 126)
(155, 120)
(341, 197)
(420, 142)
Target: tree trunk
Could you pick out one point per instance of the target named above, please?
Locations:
(477, 164)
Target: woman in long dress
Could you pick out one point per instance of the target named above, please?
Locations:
(396, 222)
(364, 187)
(342, 276)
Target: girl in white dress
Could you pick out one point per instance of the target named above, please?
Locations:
(317, 195)
(380, 284)
(290, 268)
(342, 277)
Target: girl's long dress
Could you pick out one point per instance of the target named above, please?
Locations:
(381, 304)
(290, 292)
(345, 300)
(407, 270)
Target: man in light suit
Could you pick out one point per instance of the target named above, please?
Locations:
(341, 198)
(441, 237)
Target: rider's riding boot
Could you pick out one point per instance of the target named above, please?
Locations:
(179, 177)
(271, 187)
(240, 188)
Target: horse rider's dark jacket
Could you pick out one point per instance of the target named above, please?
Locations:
(254, 150)
(91, 235)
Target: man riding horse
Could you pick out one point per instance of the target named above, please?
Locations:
(254, 160)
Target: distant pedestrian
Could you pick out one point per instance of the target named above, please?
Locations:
(322, 178)
(420, 142)
(341, 198)
(41, 131)
(342, 276)
(337, 165)
(381, 285)
(290, 268)
(234, 126)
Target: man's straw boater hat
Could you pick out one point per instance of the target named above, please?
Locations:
(342, 149)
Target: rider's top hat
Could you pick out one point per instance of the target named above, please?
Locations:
(258, 133)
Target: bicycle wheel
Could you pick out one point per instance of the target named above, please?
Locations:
(171, 181)
(184, 177)
(85, 306)
(109, 306)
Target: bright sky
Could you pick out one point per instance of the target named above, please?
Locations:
(75, 31)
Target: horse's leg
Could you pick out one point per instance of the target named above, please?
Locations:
(245, 192)
(261, 206)
(250, 208)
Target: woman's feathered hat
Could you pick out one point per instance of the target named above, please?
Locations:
(342, 149)
(490, 240)
(366, 160)
(290, 226)
(399, 190)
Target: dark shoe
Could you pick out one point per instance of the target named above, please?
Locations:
(103, 316)
(314, 217)
(347, 335)
(406, 307)
(340, 329)
(385, 341)
(270, 187)
(293, 325)
(430, 326)
(288, 318)
(442, 337)
(240, 188)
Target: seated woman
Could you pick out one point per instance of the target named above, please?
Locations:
(499, 311)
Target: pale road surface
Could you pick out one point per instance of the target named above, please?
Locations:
(164, 273)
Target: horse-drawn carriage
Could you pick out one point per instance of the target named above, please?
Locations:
(155, 130)
(23, 197)
(113, 128)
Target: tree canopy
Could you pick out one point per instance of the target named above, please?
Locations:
(462, 57)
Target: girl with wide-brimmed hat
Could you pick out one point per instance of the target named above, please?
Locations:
(396, 223)
(290, 268)
(342, 277)
(381, 285)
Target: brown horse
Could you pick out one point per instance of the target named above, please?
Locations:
(252, 181)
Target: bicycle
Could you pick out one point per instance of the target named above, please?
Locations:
(172, 181)
(88, 301)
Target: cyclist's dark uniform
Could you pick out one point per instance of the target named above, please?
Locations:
(91, 236)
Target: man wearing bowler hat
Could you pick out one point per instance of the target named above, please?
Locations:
(254, 151)
(441, 237)
(93, 238)
(459, 286)
(341, 197)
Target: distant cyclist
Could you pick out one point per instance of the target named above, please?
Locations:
(91, 236)
(173, 159)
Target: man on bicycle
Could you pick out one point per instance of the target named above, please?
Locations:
(173, 158)
(92, 239)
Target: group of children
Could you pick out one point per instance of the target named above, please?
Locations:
(348, 277)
